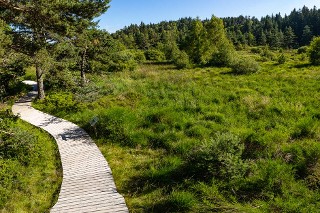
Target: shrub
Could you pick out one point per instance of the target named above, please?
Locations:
(267, 54)
(256, 50)
(281, 59)
(303, 49)
(123, 60)
(139, 56)
(154, 55)
(244, 65)
(181, 59)
(21, 146)
(223, 55)
(314, 51)
(28, 167)
(59, 102)
(219, 157)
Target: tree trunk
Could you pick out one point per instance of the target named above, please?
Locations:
(39, 72)
(83, 67)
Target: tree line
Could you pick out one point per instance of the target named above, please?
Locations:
(277, 31)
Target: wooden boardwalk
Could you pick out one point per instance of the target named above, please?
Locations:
(87, 185)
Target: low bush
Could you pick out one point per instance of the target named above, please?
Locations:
(139, 56)
(219, 157)
(181, 59)
(59, 102)
(123, 60)
(267, 54)
(314, 51)
(61, 79)
(222, 56)
(256, 50)
(281, 59)
(303, 49)
(244, 65)
(155, 55)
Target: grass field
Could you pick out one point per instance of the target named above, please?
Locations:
(205, 139)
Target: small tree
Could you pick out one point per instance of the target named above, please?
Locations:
(208, 43)
(314, 51)
(306, 35)
(289, 38)
(180, 59)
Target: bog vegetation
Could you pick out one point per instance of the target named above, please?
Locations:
(30, 171)
(217, 115)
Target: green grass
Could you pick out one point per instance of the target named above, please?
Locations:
(160, 128)
(30, 170)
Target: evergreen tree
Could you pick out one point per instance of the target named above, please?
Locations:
(263, 38)
(195, 41)
(39, 24)
(306, 35)
(250, 39)
(217, 48)
(289, 38)
(11, 62)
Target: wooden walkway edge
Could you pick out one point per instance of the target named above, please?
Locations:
(87, 184)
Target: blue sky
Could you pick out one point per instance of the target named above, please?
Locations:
(125, 12)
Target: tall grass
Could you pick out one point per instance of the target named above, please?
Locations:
(205, 139)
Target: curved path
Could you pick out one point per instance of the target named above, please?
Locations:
(87, 184)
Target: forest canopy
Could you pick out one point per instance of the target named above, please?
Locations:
(288, 31)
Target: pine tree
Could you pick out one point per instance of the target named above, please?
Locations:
(306, 35)
(39, 24)
(289, 38)
(195, 41)
(263, 38)
(11, 62)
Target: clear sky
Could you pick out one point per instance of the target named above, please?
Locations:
(125, 12)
